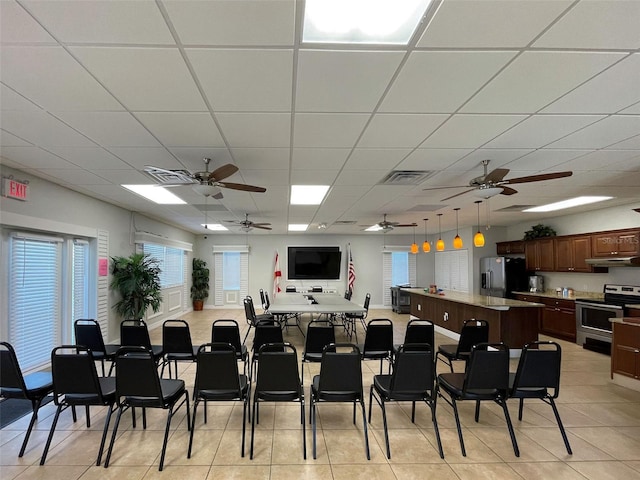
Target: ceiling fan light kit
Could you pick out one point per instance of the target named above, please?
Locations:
(440, 242)
(457, 240)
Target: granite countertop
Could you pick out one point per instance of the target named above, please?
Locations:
(494, 303)
(633, 305)
(626, 320)
(553, 294)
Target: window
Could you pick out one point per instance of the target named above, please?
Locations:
(399, 267)
(231, 270)
(80, 280)
(171, 263)
(230, 274)
(452, 270)
(35, 290)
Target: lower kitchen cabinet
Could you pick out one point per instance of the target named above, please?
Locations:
(558, 316)
(625, 350)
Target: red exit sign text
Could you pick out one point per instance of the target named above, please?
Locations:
(14, 189)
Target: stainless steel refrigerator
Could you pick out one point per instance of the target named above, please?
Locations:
(499, 276)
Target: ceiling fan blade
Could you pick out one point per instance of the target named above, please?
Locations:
(538, 178)
(507, 190)
(255, 225)
(496, 175)
(405, 224)
(458, 194)
(223, 172)
(242, 186)
(260, 224)
(440, 188)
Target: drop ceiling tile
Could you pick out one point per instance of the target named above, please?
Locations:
(124, 176)
(233, 23)
(192, 158)
(263, 158)
(376, 158)
(310, 176)
(470, 131)
(265, 178)
(138, 157)
(469, 23)
(89, 157)
(630, 143)
(245, 80)
(40, 128)
(111, 129)
(605, 160)
(540, 130)
(606, 132)
(611, 91)
(596, 24)
(331, 81)
(327, 130)
(633, 109)
(131, 22)
(68, 86)
(75, 176)
(432, 158)
(440, 82)
(256, 129)
(34, 157)
(178, 129)
(156, 79)
(10, 100)
(329, 158)
(399, 130)
(544, 158)
(17, 26)
(9, 140)
(365, 177)
(526, 86)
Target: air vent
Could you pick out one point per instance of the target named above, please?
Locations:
(211, 207)
(514, 208)
(345, 222)
(406, 177)
(170, 176)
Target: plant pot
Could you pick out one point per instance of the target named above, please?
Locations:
(198, 305)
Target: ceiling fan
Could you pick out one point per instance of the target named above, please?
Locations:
(247, 225)
(494, 183)
(387, 226)
(205, 183)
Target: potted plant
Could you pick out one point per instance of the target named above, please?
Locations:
(200, 283)
(539, 231)
(137, 279)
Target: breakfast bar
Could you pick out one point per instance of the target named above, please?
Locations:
(513, 322)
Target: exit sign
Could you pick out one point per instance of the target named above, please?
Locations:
(13, 189)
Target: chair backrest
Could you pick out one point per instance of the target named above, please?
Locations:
(365, 305)
(379, 335)
(137, 376)
(226, 331)
(262, 299)
(488, 368)
(419, 331)
(347, 294)
(473, 332)
(539, 367)
(217, 368)
(319, 335)
(316, 289)
(266, 333)
(341, 370)
(89, 334)
(267, 302)
(176, 337)
(11, 379)
(74, 374)
(290, 289)
(134, 333)
(414, 369)
(278, 369)
(249, 312)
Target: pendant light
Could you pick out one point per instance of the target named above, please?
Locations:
(426, 246)
(414, 245)
(478, 238)
(457, 241)
(440, 242)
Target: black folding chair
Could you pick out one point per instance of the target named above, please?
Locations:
(265, 333)
(135, 333)
(418, 331)
(320, 333)
(176, 345)
(252, 318)
(76, 383)
(538, 376)
(340, 380)
(33, 386)
(227, 331)
(413, 380)
(89, 334)
(218, 380)
(350, 320)
(278, 380)
(486, 378)
(473, 332)
(139, 385)
(378, 341)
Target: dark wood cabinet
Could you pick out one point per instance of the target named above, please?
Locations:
(617, 243)
(634, 312)
(571, 253)
(625, 350)
(507, 248)
(558, 316)
(539, 255)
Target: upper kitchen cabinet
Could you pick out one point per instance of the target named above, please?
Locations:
(616, 243)
(539, 255)
(507, 248)
(571, 253)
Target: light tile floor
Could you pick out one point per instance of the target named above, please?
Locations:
(602, 421)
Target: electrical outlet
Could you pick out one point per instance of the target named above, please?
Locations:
(446, 316)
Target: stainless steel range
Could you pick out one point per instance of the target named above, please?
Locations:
(593, 328)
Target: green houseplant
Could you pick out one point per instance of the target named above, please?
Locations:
(539, 231)
(200, 283)
(137, 279)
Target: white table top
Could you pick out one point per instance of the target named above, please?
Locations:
(300, 303)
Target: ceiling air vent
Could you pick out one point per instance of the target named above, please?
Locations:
(211, 207)
(345, 222)
(406, 177)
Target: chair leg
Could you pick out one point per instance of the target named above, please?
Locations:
(312, 418)
(477, 415)
(253, 427)
(111, 409)
(193, 427)
(455, 414)
(102, 363)
(113, 436)
(564, 434)
(512, 434)
(366, 433)
(247, 334)
(434, 420)
(384, 423)
(304, 432)
(87, 415)
(245, 407)
(35, 405)
(50, 437)
(520, 408)
(370, 401)
(166, 438)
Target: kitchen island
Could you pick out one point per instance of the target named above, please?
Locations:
(513, 322)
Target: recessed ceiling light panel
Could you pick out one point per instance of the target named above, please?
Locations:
(155, 194)
(308, 194)
(572, 202)
(298, 227)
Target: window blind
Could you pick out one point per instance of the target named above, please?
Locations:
(80, 280)
(171, 263)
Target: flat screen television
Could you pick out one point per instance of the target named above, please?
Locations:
(313, 263)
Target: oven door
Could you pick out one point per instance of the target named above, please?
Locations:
(595, 317)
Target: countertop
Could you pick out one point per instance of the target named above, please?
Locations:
(553, 294)
(494, 303)
(635, 321)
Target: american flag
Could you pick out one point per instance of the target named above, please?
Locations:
(352, 272)
(276, 276)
